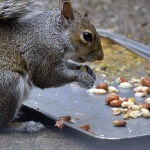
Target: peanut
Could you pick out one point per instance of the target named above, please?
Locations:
(116, 103)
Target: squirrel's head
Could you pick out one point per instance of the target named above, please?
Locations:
(82, 34)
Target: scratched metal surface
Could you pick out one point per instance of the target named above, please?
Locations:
(91, 109)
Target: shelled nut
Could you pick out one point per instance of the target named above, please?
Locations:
(125, 85)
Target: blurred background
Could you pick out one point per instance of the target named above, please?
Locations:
(126, 17)
(130, 18)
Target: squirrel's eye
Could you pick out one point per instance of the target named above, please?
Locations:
(87, 36)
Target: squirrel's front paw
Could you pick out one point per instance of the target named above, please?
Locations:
(87, 69)
(85, 80)
(90, 71)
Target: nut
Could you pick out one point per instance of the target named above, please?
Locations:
(72, 121)
(133, 80)
(142, 89)
(124, 99)
(124, 110)
(147, 101)
(135, 114)
(144, 110)
(125, 85)
(116, 103)
(127, 104)
(117, 111)
(131, 99)
(111, 97)
(148, 90)
(112, 89)
(145, 81)
(121, 79)
(102, 86)
(119, 123)
(136, 107)
(147, 106)
(127, 115)
(145, 113)
(86, 128)
(98, 91)
(140, 94)
(65, 118)
(83, 68)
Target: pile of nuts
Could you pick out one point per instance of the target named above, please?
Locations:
(144, 89)
(128, 106)
(103, 88)
(140, 91)
(133, 110)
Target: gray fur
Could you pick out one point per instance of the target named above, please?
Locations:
(35, 51)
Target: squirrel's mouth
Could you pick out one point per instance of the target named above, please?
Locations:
(78, 59)
(81, 60)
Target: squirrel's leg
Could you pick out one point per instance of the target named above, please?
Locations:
(14, 89)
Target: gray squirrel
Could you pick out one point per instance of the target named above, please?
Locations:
(42, 51)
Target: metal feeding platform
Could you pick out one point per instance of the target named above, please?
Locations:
(91, 108)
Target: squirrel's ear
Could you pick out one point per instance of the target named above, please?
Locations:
(66, 12)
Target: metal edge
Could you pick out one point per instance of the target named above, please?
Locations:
(132, 45)
(28, 109)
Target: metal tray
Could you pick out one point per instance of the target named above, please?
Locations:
(91, 109)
